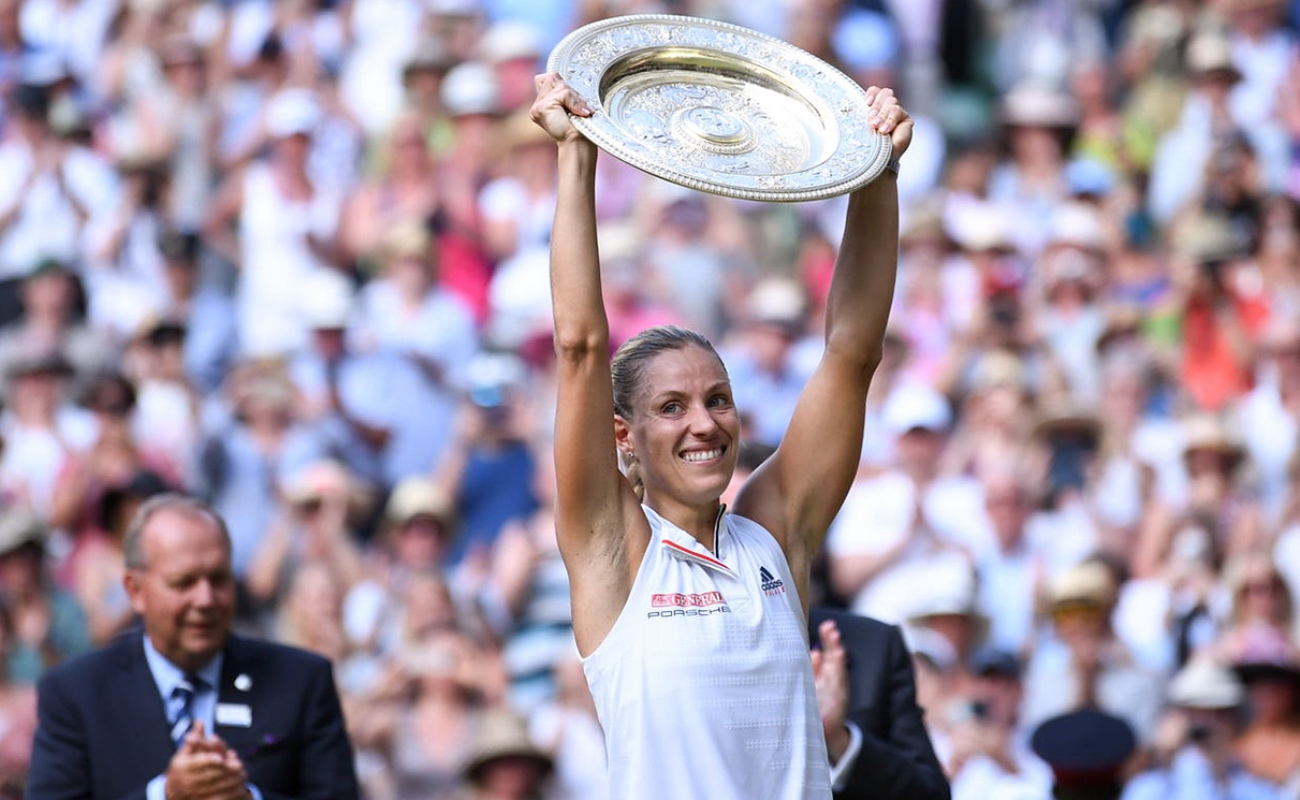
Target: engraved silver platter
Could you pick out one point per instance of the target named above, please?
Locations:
(721, 108)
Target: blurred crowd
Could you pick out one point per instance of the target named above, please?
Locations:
(291, 256)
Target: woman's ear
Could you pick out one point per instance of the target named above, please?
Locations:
(623, 436)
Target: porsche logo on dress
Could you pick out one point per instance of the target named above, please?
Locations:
(677, 604)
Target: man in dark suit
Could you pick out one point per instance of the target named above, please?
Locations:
(131, 720)
(875, 730)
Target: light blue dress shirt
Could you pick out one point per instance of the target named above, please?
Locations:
(166, 676)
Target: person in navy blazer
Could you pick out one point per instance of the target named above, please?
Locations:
(267, 722)
(894, 759)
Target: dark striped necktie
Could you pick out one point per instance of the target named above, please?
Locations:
(185, 692)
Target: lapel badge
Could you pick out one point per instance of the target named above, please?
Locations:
(243, 683)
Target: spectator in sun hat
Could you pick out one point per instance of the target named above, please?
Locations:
(1216, 495)
(406, 309)
(1217, 318)
(1083, 663)
(97, 562)
(516, 205)
(984, 263)
(1269, 429)
(949, 605)
(52, 297)
(200, 305)
(472, 100)
(765, 376)
(991, 754)
(1196, 745)
(514, 49)
(490, 466)
(46, 186)
(1205, 145)
(246, 453)
(316, 523)
(1010, 568)
(49, 625)
(1263, 40)
(1262, 604)
(996, 412)
(43, 430)
(123, 274)
(1072, 267)
(422, 79)
(415, 536)
(904, 515)
(1268, 665)
(348, 394)
(1039, 122)
(1068, 433)
(504, 763)
(931, 304)
(278, 221)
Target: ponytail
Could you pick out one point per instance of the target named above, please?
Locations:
(632, 469)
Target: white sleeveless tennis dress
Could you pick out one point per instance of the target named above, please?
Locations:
(704, 685)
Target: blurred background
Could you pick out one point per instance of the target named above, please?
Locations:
(292, 257)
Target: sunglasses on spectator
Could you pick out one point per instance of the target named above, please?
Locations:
(1077, 610)
(1267, 586)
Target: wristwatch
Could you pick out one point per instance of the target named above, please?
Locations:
(893, 166)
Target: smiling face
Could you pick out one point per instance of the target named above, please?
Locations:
(684, 429)
(185, 590)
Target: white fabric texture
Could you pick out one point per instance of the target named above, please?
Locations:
(704, 686)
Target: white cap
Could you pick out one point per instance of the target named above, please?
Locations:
(777, 300)
(327, 301)
(1038, 104)
(1078, 225)
(915, 405)
(931, 646)
(506, 41)
(471, 88)
(454, 8)
(292, 111)
(1204, 684)
(950, 587)
(979, 227)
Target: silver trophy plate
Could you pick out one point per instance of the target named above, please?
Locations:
(721, 108)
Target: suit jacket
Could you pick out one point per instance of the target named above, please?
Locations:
(102, 727)
(897, 759)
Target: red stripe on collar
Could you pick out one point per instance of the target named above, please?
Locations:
(702, 557)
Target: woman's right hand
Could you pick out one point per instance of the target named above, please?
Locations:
(555, 102)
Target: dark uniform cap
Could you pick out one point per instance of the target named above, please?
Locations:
(995, 661)
(1084, 747)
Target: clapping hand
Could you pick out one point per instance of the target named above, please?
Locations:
(204, 768)
(831, 677)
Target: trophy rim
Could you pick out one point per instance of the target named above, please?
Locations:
(609, 135)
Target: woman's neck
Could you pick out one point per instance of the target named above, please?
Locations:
(701, 522)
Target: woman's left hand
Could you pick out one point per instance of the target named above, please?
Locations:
(890, 118)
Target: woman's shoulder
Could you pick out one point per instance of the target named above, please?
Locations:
(749, 530)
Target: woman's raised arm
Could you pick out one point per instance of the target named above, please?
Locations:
(798, 491)
(595, 507)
